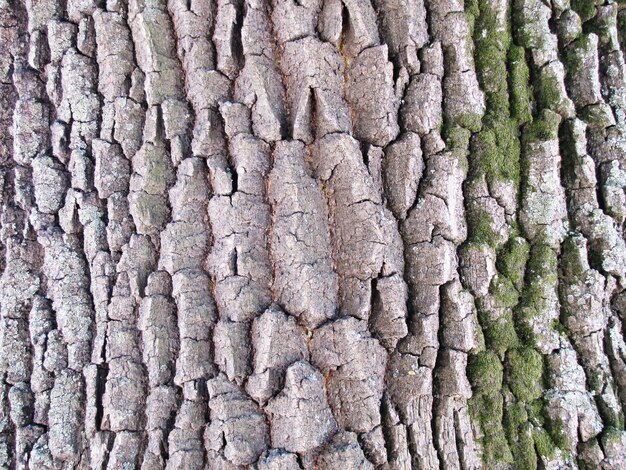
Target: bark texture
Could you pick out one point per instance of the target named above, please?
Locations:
(312, 234)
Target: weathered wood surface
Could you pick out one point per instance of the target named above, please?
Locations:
(317, 234)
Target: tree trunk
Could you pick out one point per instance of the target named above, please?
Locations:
(316, 234)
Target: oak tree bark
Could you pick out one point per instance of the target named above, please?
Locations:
(312, 234)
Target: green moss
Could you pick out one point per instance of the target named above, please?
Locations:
(524, 316)
(557, 434)
(607, 410)
(519, 435)
(543, 443)
(496, 151)
(595, 380)
(504, 292)
(470, 121)
(571, 263)
(536, 412)
(541, 274)
(487, 410)
(542, 261)
(574, 53)
(519, 77)
(471, 7)
(512, 260)
(492, 42)
(456, 138)
(524, 371)
(481, 228)
(586, 9)
(621, 26)
(523, 448)
(558, 327)
(545, 127)
(484, 371)
(514, 417)
(611, 436)
(597, 116)
(500, 334)
(507, 166)
(548, 91)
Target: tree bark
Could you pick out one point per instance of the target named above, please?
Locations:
(315, 234)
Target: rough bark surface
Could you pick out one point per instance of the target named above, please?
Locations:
(312, 234)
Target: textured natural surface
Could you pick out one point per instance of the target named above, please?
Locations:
(312, 234)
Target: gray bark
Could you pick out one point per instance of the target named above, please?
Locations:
(316, 234)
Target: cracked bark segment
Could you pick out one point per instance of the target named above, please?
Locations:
(455, 435)
(535, 34)
(408, 384)
(68, 288)
(363, 227)
(344, 451)
(569, 403)
(80, 101)
(30, 125)
(277, 341)
(227, 37)
(361, 31)
(112, 169)
(300, 239)
(125, 449)
(259, 86)
(236, 117)
(405, 29)
(238, 431)
(430, 265)
(543, 212)
(403, 166)
(355, 365)
(421, 111)
(460, 328)
(125, 388)
(371, 95)
(41, 380)
(580, 180)
(160, 409)
(232, 353)
(463, 99)
(196, 318)
(478, 268)
(115, 54)
(185, 442)
(152, 175)
(157, 323)
(128, 125)
(257, 33)
(65, 434)
(313, 80)
(15, 347)
(439, 209)
(301, 420)
(239, 260)
(185, 240)
(276, 459)
(389, 310)
(585, 315)
(155, 50)
(50, 183)
(583, 81)
(293, 21)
